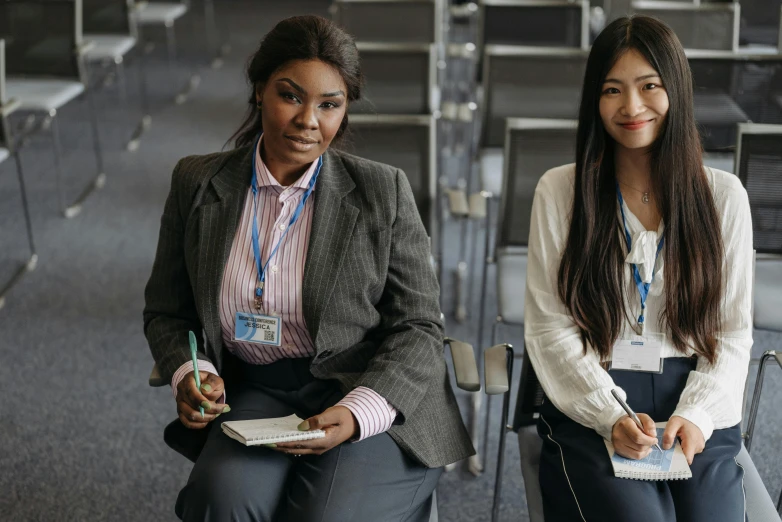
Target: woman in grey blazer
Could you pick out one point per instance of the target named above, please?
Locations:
(329, 248)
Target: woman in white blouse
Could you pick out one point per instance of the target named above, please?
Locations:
(639, 280)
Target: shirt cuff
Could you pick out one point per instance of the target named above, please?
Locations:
(204, 366)
(699, 417)
(372, 412)
(609, 415)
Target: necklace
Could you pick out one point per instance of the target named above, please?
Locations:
(644, 198)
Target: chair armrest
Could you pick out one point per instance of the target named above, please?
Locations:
(753, 409)
(457, 202)
(464, 365)
(85, 47)
(156, 380)
(9, 106)
(496, 368)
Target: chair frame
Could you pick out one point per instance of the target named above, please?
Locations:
(663, 5)
(50, 120)
(584, 4)
(7, 106)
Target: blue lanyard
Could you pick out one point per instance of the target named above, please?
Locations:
(259, 264)
(643, 288)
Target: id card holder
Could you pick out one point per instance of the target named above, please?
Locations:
(639, 354)
(258, 329)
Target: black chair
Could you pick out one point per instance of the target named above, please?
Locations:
(8, 149)
(711, 26)
(544, 23)
(391, 21)
(45, 71)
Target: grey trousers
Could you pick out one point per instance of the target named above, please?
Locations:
(372, 480)
(577, 479)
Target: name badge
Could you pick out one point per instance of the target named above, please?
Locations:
(256, 328)
(638, 355)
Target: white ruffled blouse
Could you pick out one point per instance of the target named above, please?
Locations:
(576, 383)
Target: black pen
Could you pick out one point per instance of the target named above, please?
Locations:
(631, 413)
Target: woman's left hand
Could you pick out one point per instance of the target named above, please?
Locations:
(690, 435)
(338, 423)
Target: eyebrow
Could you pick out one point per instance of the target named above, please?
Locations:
(302, 91)
(644, 77)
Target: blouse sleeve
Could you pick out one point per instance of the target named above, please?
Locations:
(712, 398)
(575, 383)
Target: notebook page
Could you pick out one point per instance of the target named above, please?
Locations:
(269, 431)
(670, 464)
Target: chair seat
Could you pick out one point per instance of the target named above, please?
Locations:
(511, 283)
(760, 507)
(3, 154)
(491, 163)
(42, 94)
(155, 13)
(768, 294)
(108, 46)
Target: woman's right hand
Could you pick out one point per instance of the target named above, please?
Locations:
(628, 439)
(189, 399)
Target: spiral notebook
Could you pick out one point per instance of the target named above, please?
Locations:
(269, 431)
(670, 464)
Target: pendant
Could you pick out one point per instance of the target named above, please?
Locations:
(645, 199)
(258, 302)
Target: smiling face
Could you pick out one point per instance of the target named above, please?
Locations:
(633, 102)
(303, 105)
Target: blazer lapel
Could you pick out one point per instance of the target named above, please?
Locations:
(217, 228)
(332, 227)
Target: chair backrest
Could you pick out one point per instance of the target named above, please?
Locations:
(399, 79)
(552, 23)
(759, 166)
(405, 142)
(43, 38)
(529, 82)
(734, 87)
(760, 22)
(401, 21)
(532, 146)
(108, 17)
(713, 26)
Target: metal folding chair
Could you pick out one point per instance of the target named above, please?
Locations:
(165, 14)
(111, 29)
(46, 70)
(708, 26)
(532, 146)
(545, 23)
(467, 378)
(7, 149)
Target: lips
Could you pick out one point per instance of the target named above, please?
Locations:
(635, 125)
(302, 139)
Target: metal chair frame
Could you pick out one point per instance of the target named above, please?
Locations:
(7, 106)
(50, 118)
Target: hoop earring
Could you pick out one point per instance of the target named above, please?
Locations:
(259, 105)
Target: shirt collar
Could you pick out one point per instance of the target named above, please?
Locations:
(265, 178)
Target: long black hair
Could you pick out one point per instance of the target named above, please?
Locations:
(591, 272)
(300, 38)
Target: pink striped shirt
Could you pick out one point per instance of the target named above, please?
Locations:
(282, 294)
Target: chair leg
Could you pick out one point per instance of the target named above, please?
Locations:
(122, 82)
(32, 261)
(100, 178)
(54, 127)
(146, 118)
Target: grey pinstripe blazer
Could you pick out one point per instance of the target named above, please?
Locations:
(370, 296)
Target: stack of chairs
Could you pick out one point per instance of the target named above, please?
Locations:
(58, 53)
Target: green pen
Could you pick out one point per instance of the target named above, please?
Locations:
(193, 351)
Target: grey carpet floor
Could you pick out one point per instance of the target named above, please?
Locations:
(80, 430)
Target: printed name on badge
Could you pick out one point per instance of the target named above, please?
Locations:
(256, 328)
